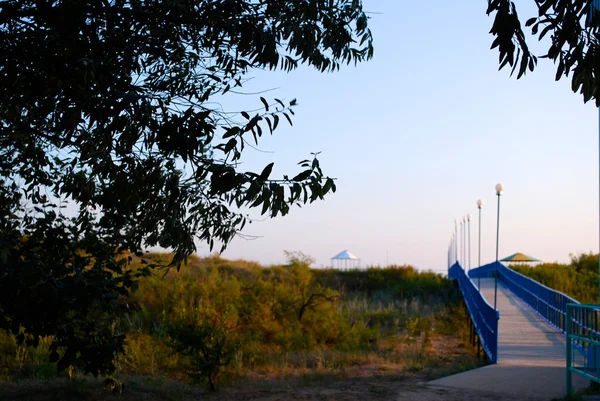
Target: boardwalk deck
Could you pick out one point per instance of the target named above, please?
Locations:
(531, 354)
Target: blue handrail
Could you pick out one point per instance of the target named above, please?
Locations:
(548, 303)
(580, 323)
(483, 315)
(583, 335)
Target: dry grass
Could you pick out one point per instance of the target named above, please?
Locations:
(343, 376)
(386, 325)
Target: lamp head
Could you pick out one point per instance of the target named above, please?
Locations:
(479, 203)
(499, 189)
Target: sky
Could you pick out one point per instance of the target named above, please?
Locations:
(416, 135)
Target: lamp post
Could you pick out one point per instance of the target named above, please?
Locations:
(455, 239)
(469, 221)
(499, 189)
(465, 242)
(452, 249)
(455, 248)
(479, 205)
(462, 243)
(593, 20)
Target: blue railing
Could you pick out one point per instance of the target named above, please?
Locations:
(583, 335)
(580, 323)
(483, 315)
(548, 303)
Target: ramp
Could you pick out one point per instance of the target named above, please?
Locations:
(531, 354)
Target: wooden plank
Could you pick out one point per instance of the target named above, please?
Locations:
(531, 354)
(524, 338)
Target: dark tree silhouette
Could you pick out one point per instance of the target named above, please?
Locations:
(110, 104)
(572, 29)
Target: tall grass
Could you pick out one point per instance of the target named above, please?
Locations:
(24, 361)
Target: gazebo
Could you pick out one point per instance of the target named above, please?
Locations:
(519, 258)
(345, 260)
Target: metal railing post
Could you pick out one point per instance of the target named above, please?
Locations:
(497, 245)
(479, 253)
(569, 350)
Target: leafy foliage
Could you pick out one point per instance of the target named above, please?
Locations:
(579, 279)
(111, 106)
(61, 283)
(399, 281)
(273, 313)
(115, 110)
(206, 338)
(572, 29)
(231, 319)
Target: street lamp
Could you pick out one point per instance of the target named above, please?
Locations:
(479, 205)
(469, 220)
(499, 189)
(450, 252)
(594, 22)
(465, 242)
(455, 241)
(453, 249)
(462, 243)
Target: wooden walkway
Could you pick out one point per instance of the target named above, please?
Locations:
(524, 338)
(531, 354)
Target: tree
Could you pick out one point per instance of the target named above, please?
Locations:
(573, 28)
(111, 105)
(206, 336)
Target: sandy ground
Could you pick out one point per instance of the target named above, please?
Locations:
(370, 380)
(387, 387)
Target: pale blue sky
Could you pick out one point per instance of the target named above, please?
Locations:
(417, 135)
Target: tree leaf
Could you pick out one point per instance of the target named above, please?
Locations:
(230, 145)
(303, 175)
(266, 172)
(264, 101)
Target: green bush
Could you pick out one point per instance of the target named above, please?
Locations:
(149, 355)
(579, 279)
(215, 317)
(206, 336)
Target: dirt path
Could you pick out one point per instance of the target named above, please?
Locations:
(347, 389)
(364, 389)
(371, 378)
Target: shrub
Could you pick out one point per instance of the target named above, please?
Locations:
(206, 337)
(579, 279)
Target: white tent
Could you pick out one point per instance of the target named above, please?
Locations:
(345, 260)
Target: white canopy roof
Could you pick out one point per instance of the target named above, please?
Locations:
(345, 255)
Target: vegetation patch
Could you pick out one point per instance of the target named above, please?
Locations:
(223, 323)
(577, 279)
